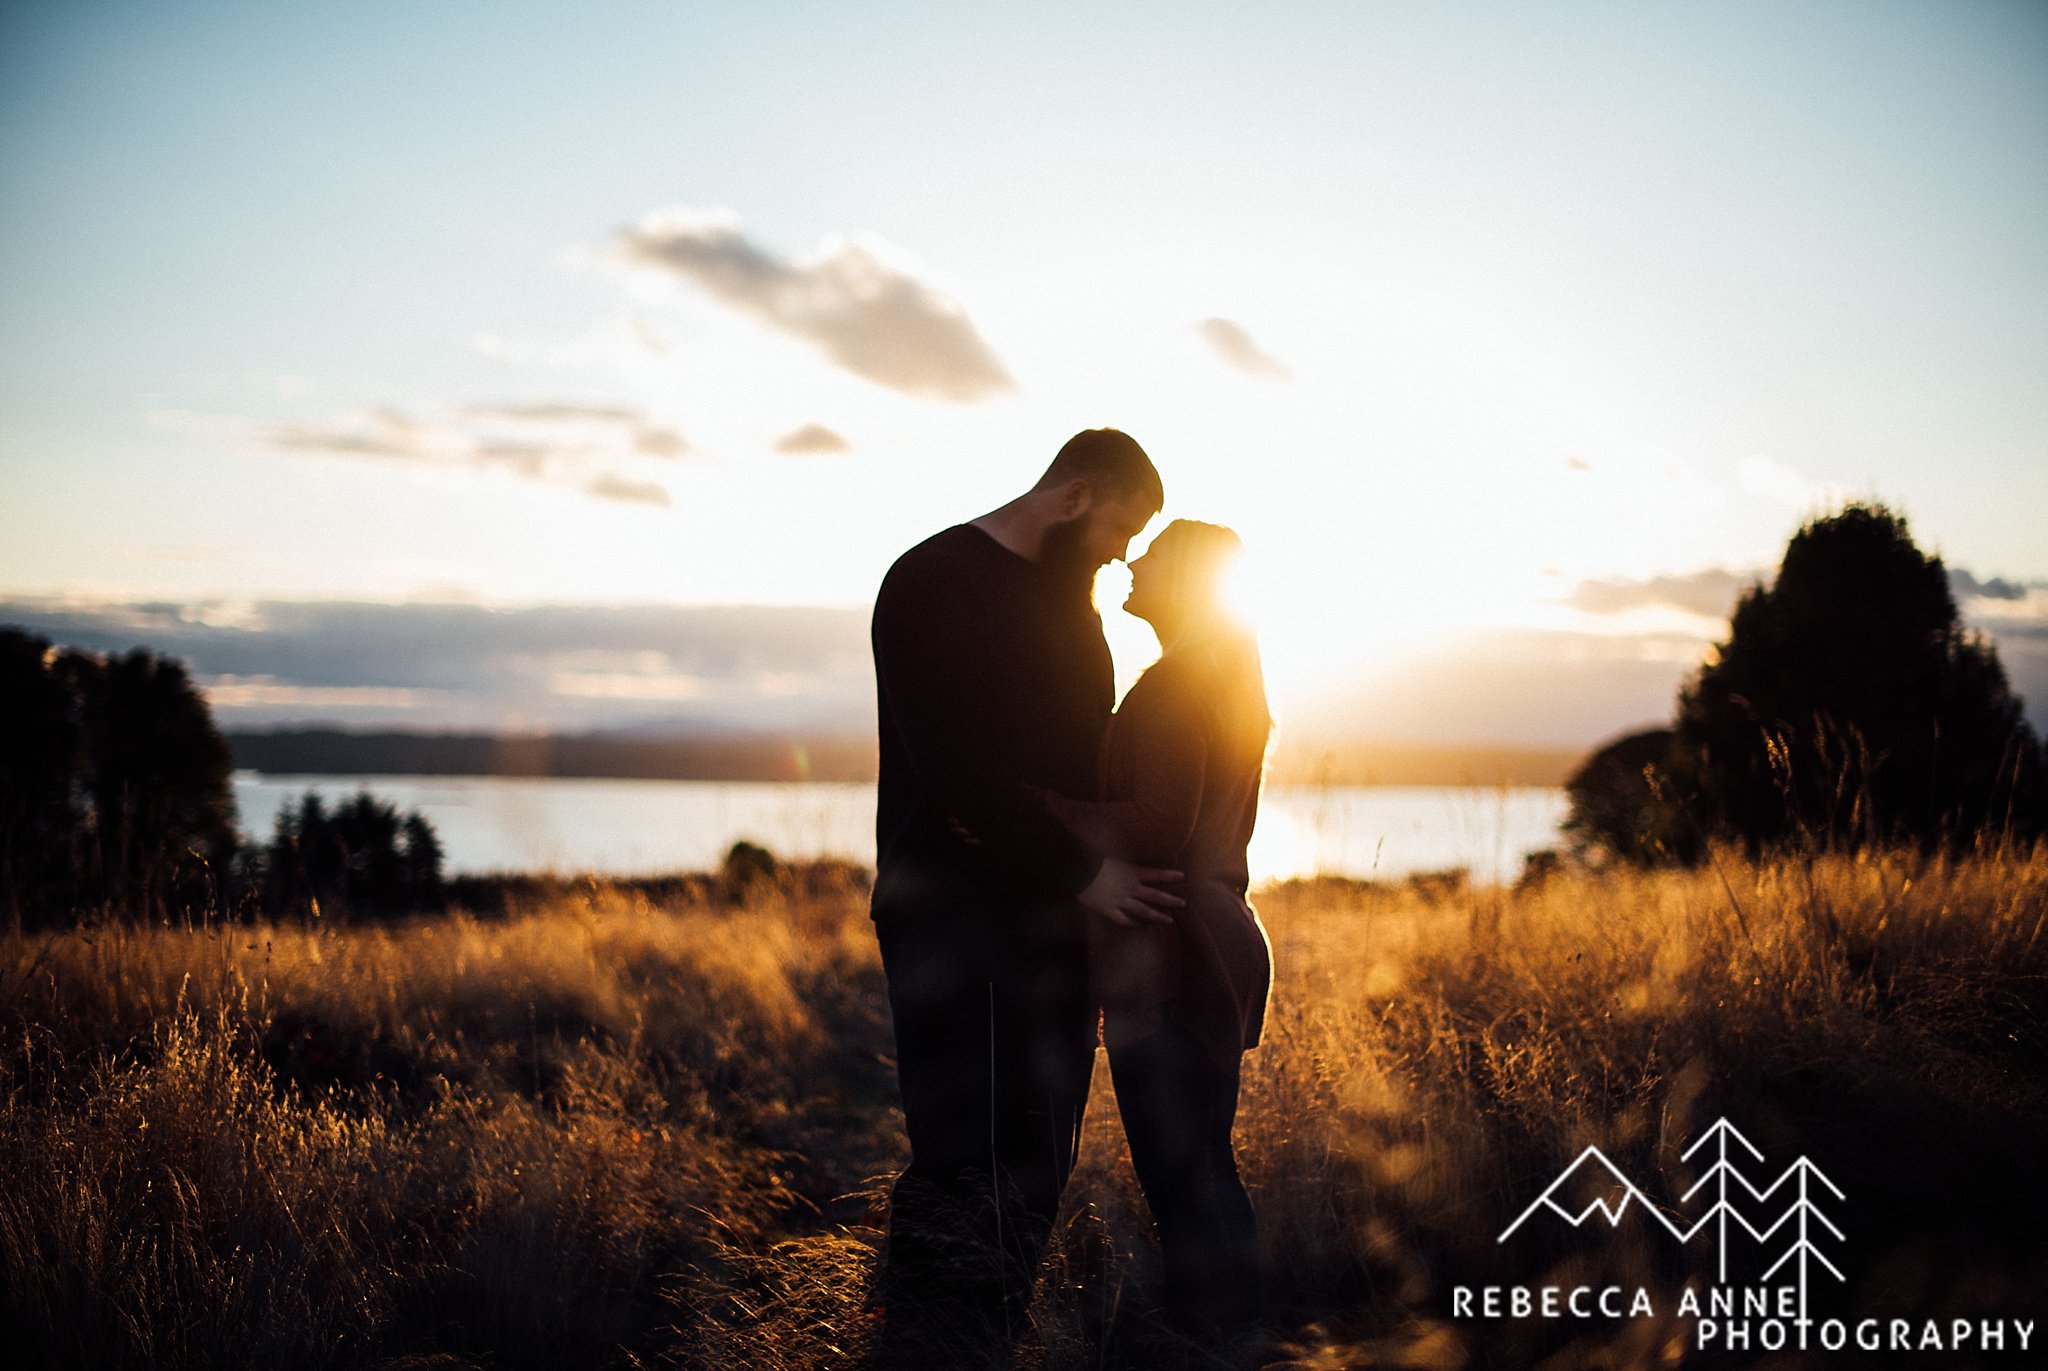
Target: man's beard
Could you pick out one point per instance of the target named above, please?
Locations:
(1064, 560)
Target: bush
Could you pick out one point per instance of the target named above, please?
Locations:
(1622, 807)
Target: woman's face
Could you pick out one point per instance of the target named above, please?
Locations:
(1151, 587)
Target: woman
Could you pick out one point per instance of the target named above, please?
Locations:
(1181, 1001)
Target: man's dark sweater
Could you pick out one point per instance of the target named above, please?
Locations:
(989, 676)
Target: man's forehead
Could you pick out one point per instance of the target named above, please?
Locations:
(1129, 513)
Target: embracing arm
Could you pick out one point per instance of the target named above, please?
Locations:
(1164, 727)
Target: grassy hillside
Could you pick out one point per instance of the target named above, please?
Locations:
(601, 1131)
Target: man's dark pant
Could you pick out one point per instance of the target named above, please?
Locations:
(995, 1044)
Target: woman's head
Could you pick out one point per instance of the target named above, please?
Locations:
(1179, 585)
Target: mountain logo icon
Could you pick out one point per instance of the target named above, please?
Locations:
(1594, 1187)
(1590, 1185)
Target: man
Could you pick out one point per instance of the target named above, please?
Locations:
(992, 677)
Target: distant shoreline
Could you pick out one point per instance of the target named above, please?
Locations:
(835, 757)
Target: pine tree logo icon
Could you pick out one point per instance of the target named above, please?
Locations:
(1593, 1184)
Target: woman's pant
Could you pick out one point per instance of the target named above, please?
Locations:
(1178, 1108)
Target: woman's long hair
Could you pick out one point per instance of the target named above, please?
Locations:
(1212, 635)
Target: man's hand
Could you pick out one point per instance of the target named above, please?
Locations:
(1127, 894)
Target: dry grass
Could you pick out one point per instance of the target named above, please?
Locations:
(603, 1132)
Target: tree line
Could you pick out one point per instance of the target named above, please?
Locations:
(1848, 708)
(116, 799)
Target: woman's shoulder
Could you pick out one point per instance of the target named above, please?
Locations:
(1208, 680)
(1179, 682)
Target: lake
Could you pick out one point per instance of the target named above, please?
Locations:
(632, 828)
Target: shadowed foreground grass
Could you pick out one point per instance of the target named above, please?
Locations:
(602, 1131)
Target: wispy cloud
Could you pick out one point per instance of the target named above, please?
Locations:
(233, 693)
(811, 440)
(1968, 587)
(592, 448)
(1710, 593)
(608, 485)
(856, 301)
(646, 437)
(1237, 350)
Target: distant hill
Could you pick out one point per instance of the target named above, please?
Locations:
(819, 756)
(1313, 762)
(697, 757)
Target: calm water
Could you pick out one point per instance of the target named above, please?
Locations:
(623, 828)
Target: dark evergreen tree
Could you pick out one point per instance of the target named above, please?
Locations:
(115, 786)
(420, 864)
(39, 757)
(1849, 704)
(160, 812)
(362, 859)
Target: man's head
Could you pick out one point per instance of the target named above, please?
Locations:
(1104, 490)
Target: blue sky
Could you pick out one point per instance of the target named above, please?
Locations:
(1506, 334)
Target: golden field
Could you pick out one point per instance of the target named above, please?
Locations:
(605, 1130)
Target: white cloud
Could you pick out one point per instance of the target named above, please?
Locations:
(856, 301)
(1709, 593)
(1237, 350)
(608, 485)
(810, 440)
(249, 692)
(1767, 478)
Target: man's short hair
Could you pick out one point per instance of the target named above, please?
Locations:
(1111, 461)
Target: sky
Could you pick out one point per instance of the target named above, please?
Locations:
(535, 366)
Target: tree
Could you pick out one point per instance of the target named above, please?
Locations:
(158, 777)
(114, 784)
(1850, 705)
(39, 753)
(363, 858)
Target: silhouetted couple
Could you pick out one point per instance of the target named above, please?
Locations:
(1044, 867)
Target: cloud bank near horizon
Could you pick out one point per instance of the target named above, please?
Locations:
(480, 667)
(577, 667)
(855, 301)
